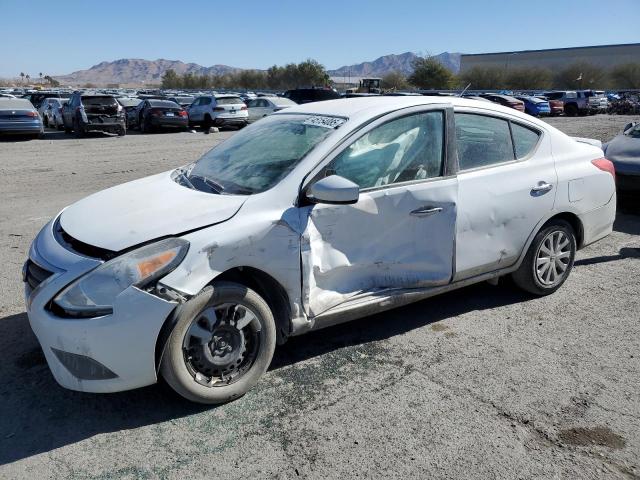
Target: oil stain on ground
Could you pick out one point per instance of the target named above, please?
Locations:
(600, 436)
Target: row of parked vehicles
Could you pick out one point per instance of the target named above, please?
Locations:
(82, 112)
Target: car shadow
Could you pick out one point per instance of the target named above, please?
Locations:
(627, 222)
(30, 398)
(626, 252)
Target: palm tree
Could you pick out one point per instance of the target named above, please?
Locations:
(22, 75)
(28, 77)
(40, 78)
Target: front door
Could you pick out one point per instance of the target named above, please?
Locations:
(400, 234)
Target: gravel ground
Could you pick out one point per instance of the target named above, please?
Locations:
(484, 382)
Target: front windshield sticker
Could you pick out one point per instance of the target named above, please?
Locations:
(326, 122)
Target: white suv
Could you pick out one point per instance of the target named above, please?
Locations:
(218, 110)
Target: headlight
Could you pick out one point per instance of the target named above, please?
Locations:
(94, 294)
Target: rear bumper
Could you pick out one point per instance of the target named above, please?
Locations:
(230, 121)
(175, 122)
(16, 128)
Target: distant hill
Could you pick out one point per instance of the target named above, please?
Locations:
(136, 71)
(388, 63)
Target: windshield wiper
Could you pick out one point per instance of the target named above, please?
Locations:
(215, 186)
(184, 179)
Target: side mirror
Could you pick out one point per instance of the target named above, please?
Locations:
(629, 126)
(335, 190)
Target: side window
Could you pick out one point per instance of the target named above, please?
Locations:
(401, 150)
(205, 101)
(482, 140)
(252, 103)
(524, 139)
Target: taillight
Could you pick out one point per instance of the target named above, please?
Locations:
(32, 114)
(244, 107)
(182, 113)
(605, 165)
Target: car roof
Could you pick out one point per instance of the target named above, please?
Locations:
(360, 108)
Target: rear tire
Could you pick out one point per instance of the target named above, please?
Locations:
(77, 129)
(549, 260)
(189, 362)
(571, 110)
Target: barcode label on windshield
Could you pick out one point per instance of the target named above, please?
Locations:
(326, 122)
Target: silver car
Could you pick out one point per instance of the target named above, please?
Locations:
(218, 111)
(312, 216)
(51, 109)
(263, 106)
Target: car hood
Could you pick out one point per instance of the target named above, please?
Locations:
(624, 152)
(142, 210)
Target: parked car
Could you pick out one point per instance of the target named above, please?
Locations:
(624, 151)
(52, 114)
(36, 98)
(263, 106)
(19, 117)
(315, 215)
(154, 114)
(575, 102)
(308, 95)
(598, 101)
(184, 101)
(129, 105)
(506, 100)
(556, 106)
(535, 106)
(93, 112)
(218, 111)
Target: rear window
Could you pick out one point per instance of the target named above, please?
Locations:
(320, 95)
(229, 100)
(482, 140)
(15, 103)
(99, 101)
(524, 139)
(163, 103)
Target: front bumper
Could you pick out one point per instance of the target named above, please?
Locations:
(122, 343)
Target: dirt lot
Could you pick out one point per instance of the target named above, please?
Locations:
(484, 382)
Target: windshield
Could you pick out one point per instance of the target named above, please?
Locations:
(259, 156)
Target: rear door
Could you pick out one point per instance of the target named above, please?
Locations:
(400, 233)
(507, 185)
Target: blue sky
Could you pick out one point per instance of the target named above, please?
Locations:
(58, 37)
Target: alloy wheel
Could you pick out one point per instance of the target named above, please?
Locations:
(553, 258)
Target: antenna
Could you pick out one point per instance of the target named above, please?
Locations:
(465, 89)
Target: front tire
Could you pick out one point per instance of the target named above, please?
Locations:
(222, 343)
(549, 259)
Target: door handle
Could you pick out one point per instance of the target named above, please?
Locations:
(425, 211)
(542, 187)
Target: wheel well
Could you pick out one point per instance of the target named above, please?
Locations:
(575, 223)
(268, 288)
(263, 284)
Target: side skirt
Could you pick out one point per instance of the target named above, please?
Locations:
(372, 303)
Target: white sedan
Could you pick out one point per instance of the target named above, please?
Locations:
(313, 216)
(263, 106)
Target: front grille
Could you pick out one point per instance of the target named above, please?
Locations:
(34, 274)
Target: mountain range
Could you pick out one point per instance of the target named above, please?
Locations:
(137, 71)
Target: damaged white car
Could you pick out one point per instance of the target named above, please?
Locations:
(315, 215)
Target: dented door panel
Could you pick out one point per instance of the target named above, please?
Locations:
(378, 244)
(498, 208)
